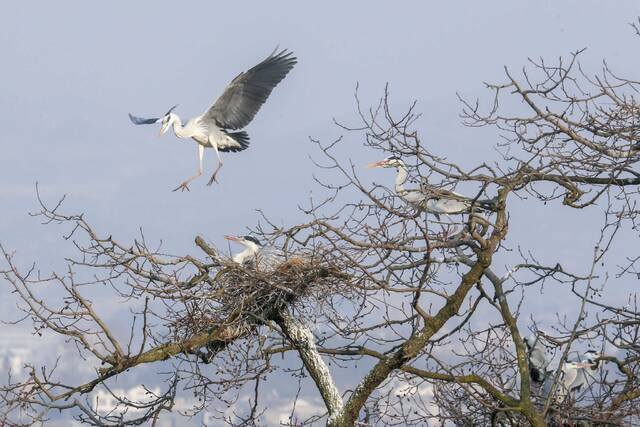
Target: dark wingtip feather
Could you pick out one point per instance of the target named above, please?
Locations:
(248, 91)
(142, 121)
(284, 57)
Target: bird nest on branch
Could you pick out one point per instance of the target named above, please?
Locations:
(240, 299)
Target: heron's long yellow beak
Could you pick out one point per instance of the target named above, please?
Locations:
(163, 129)
(376, 164)
(232, 238)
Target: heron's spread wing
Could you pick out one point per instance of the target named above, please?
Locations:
(244, 96)
(142, 121)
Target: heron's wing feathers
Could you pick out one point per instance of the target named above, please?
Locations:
(244, 96)
(538, 363)
(272, 257)
(142, 121)
(446, 206)
(266, 259)
(441, 193)
(433, 203)
(234, 141)
(579, 382)
(414, 197)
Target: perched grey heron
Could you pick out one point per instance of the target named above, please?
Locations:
(219, 127)
(537, 358)
(574, 377)
(568, 375)
(432, 200)
(589, 365)
(255, 255)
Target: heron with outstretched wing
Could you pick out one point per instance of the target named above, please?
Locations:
(220, 126)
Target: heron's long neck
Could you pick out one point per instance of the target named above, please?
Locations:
(248, 253)
(178, 129)
(401, 178)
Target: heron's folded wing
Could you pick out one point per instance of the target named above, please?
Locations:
(446, 206)
(537, 359)
(415, 197)
(142, 121)
(444, 193)
(244, 96)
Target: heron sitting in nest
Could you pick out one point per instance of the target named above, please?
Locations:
(256, 256)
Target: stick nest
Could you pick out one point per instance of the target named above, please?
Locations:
(238, 299)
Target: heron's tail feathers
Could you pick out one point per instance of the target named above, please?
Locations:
(240, 141)
(537, 375)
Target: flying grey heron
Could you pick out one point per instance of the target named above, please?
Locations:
(537, 358)
(432, 200)
(255, 255)
(219, 127)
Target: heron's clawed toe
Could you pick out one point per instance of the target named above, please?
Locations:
(213, 178)
(183, 186)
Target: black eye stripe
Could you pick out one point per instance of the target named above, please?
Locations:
(252, 239)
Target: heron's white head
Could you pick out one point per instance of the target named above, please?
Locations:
(248, 242)
(389, 162)
(530, 341)
(590, 358)
(167, 120)
(251, 247)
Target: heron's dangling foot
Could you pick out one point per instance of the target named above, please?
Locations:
(183, 186)
(215, 175)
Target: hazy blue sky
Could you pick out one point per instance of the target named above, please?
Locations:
(71, 71)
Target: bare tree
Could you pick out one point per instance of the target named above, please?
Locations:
(419, 302)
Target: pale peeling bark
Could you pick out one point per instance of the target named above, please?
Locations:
(303, 340)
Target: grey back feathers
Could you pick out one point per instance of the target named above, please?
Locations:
(244, 96)
(538, 362)
(264, 259)
(267, 259)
